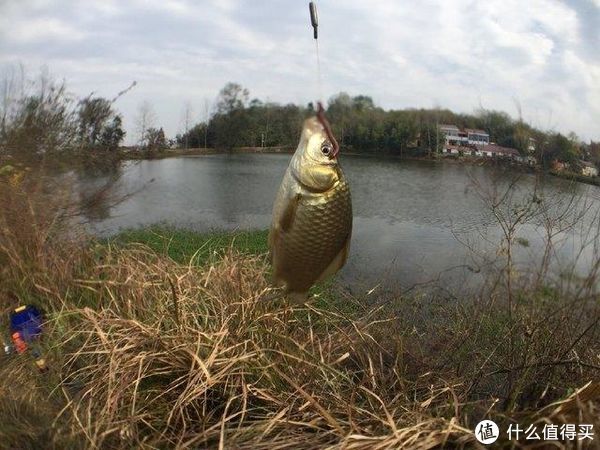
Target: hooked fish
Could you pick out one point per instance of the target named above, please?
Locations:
(309, 239)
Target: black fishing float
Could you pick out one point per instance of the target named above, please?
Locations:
(314, 19)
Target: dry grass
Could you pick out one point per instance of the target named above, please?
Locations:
(147, 352)
(181, 356)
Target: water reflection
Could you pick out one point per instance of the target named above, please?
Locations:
(97, 186)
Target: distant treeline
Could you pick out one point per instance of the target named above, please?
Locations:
(362, 126)
(41, 117)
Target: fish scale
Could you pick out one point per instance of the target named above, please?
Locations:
(319, 233)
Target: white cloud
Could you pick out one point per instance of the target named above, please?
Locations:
(40, 30)
(454, 53)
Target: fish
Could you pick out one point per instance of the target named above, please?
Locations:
(311, 228)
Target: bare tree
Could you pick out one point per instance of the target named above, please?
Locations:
(146, 118)
(13, 85)
(36, 115)
(207, 108)
(187, 119)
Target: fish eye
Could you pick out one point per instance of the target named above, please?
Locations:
(326, 149)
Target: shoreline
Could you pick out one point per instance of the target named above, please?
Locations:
(473, 161)
(172, 153)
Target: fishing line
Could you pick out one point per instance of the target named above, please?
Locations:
(314, 21)
(319, 81)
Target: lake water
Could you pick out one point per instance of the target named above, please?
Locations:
(414, 221)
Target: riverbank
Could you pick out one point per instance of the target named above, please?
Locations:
(163, 337)
(407, 156)
(175, 152)
(475, 161)
(595, 181)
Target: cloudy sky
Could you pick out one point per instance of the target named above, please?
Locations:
(459, 54)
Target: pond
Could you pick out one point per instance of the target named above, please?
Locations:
(415, 222)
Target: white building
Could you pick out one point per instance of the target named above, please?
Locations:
(477, 137)
(497, 151)
(472, 142)
(453, 135)
(588, 169)
(449, 131)
(468, 136)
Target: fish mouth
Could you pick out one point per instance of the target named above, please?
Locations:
(321, 118)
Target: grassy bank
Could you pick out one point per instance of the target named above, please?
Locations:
(166, 338)
(201, 248)
(186, 246)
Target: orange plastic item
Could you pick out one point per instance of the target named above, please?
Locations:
(19, 343)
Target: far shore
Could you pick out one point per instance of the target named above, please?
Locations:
(408, 155)
(171, 153)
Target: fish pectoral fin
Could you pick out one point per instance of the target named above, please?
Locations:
(337, 263)
(289, 213)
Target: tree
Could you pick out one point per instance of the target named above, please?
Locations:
(232, 97)
(594, 152)
(340, 112)
(362, 103)
(187, 118)
(207, 107)
(430, 140)
(194, 137)
(361, 125)
(93, 115)
(499, 125)
(112, 134)
(99, 126)
(38, 116)
(155, 140)
(521, 137)
(561, 148)
(144, 121)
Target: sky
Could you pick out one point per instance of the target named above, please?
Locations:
(539, 56)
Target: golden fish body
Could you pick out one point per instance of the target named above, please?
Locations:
(312, 216)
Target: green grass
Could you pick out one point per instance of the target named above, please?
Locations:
(202, 248)
(184, 246)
